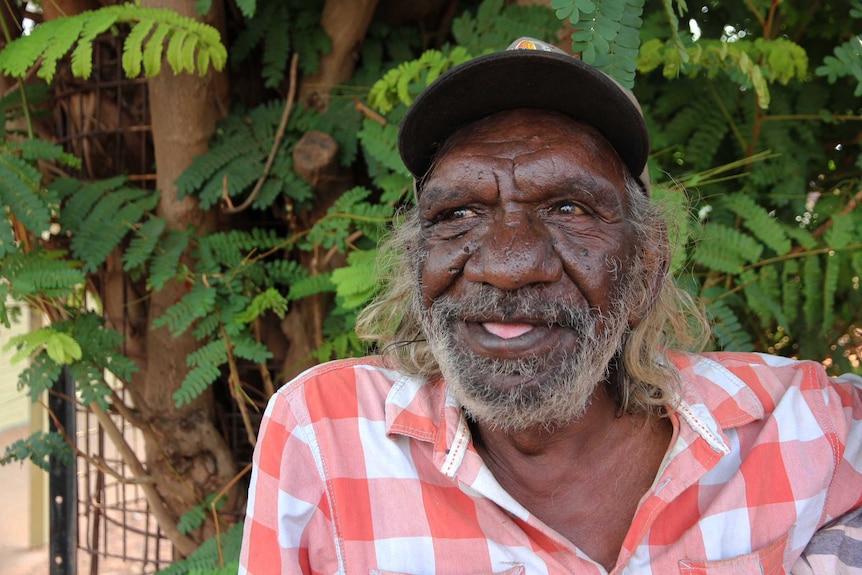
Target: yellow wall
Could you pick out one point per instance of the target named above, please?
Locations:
(14, 404)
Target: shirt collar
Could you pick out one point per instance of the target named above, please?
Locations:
(714, 398)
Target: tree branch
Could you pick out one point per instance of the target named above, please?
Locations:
(279, 135)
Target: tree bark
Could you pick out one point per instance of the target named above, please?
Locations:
(346, 22)
(189, 459)
(54, 9)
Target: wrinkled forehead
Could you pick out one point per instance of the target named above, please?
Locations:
(521, 132)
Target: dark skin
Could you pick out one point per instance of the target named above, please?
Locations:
(530, 198)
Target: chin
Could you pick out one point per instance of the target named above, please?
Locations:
(517, 395)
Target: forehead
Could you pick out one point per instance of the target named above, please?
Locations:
(557, 144)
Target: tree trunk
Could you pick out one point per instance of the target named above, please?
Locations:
(346, 22)
(189, 459)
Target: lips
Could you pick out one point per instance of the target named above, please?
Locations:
(512, 340)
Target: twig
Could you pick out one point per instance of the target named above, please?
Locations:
(268, 386)
(225, 196)
(19, 84)
(369, 113)
(327, 259)
(279, 135)
(235, 386)
(97, 462)
(182, 543)
(215, 501)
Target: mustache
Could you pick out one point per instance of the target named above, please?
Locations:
(529, 304)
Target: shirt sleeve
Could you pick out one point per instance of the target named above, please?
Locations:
(843, 402)
(287, 528)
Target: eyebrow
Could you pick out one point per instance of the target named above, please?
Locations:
(440, 193)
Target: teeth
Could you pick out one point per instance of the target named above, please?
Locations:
(507, 330)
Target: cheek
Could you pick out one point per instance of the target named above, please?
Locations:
(443, 265)
(597, 264)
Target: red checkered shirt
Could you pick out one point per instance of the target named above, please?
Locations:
(362, 470)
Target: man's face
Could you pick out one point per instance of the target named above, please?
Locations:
(526, 252)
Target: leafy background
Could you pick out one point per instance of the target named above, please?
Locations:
(753, 107)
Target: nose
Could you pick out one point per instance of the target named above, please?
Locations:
(516, 251)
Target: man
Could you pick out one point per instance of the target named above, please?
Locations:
(526, 416)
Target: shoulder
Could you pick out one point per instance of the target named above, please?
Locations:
(755, 384)
(334, 389)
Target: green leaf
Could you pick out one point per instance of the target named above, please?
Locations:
(96, 23)
(271, 299)
(142, 245)
(42, 273)
(175, 51)
(830, 288)
(165, 264)
(759, 222)
(133, 51)
(247, 7)
(110, 220)
(197, 303)
(311, 285)
(153, 51)
(357, 282)
(812, 281)
(39, 448)
(61, 347)
(19, 190)
(64, 34)
(841, 233)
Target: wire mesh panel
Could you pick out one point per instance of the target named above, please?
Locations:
(104, 120)
(117, 532)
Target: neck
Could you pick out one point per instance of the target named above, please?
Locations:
(577, 438)
(584, 479)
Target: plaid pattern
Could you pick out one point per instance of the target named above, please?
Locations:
(359, 469)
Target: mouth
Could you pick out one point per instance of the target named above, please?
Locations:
(507, 330)
(512, 339)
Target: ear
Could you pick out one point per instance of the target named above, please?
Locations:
(655, 254)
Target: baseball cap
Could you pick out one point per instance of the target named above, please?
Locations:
(528, 74)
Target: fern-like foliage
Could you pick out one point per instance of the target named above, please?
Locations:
(191, 45)
(846, 62)
(607, 34)
(495, 25)
(235, 163)
(751, 64)
(278, 29)
(196, 516)
(45, 273)
(401, 85)
(165, 263)
(759, 222)
(207, 559)
(352, 211)
(204, 364)
(39, 448)
(22, 192)
(109, 221)
(197, 303)
(726, 249)
(726, 327)
(351, 281)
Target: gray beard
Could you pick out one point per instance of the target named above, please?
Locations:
(554, 389)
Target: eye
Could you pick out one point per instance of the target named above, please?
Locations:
(456, 214)
(568, 209)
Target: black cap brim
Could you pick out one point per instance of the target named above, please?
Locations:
(522, 79)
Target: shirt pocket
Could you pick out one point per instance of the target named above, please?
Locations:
(766, 561)
(516, 570)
